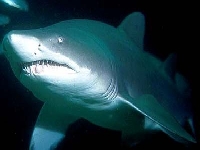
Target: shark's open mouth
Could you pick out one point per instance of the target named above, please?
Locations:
(39, 66)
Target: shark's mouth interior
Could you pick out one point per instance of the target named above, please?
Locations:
(40, 66)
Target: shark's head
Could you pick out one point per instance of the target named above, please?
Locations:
(58, 62)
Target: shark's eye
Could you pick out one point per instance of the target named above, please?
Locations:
(60, 39)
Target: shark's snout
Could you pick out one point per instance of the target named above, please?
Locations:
(21, 46)
(12, 41)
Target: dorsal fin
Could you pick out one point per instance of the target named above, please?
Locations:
(134, 26)
(170, 66)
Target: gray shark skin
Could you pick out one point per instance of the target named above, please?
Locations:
(88, 69)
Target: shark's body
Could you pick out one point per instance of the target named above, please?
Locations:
(88, 69)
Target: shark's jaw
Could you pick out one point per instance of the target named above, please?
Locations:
(39, 67)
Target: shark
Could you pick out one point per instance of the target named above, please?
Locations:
(83, 68)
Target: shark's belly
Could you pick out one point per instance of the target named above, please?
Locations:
(120, 118)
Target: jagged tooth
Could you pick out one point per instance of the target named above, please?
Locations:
(29, 70)
(45, 62)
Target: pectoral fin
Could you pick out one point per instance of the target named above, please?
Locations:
(50, 127)
(150, 107)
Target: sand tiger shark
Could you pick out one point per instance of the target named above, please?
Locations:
(88, 69)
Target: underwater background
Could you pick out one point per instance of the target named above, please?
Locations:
(170, 27)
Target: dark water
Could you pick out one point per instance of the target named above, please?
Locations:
(169, 28)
